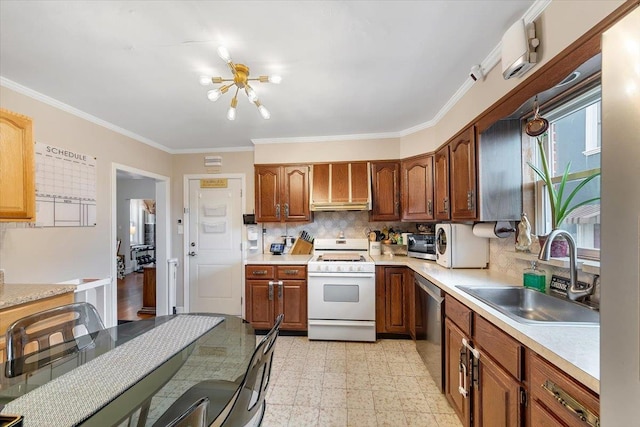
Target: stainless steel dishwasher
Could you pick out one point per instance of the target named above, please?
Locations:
(429, 327)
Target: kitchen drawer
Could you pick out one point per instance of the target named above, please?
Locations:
(292, 272)
(503, 349)
(260, 272)
(542, 372)
(458, 313)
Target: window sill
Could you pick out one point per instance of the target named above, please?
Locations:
(586, 266)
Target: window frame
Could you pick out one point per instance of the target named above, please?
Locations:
(557, 111)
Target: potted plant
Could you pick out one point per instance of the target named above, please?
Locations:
(560, 203)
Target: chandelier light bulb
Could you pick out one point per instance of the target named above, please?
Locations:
(264, 112)
(205, 81)
(224, 54)
(231, 113)
(251, 94)
(214, 94)
(275, 79)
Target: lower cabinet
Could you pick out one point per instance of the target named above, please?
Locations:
(393, 285)
(271, 290)
(559, 400)
(487, 384)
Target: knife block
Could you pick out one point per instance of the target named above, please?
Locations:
(301, 247)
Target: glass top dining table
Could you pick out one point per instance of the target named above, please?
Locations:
(145, 364)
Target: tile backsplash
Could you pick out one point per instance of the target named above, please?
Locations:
(327, 225)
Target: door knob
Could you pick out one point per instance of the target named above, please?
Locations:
(192, 253)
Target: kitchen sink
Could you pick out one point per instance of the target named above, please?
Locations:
(533, 307)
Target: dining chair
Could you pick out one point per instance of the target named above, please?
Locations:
(194, 416)
(52, 334)
(233, 403)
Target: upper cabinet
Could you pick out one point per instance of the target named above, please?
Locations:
(17, 168)
(385, 180)
(463, 175)
(441, 183)
(282, 193)
(479, 177)
(340, 186)
(417, 189)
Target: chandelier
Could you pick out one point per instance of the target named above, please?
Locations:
(241, 82)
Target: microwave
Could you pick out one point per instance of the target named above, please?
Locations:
(422, 246)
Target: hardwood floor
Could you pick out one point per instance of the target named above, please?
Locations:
(130, 297)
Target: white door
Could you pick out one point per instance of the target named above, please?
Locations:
(215, 261)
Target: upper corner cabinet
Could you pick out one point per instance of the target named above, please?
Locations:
(17, 168)
(282, 193)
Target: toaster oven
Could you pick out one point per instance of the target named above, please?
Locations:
(422, 246)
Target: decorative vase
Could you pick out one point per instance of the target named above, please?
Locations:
(559, 246)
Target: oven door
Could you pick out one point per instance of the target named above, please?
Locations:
(341, 296)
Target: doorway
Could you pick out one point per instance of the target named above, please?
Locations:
(140, 232)
(213, 243)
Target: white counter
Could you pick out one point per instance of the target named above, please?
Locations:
(574, 349)
(278, 259)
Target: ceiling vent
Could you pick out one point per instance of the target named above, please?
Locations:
(519, 45)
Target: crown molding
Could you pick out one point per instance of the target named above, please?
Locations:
(10, 84)
(328, 138)
(212, 150)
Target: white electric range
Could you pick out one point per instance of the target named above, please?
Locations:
(341, 289)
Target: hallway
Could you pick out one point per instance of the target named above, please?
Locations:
(130, 298)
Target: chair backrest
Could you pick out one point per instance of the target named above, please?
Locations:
(194, 416)
(72, 325)
(253, 387)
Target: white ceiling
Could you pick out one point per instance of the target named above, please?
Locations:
(348, 67)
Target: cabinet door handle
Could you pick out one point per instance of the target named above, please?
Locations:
(259, 273)
(286, 210)
(291, 272)
(278, 211)
(280, 286)
(270, 290)
(470, 199)
(430, 207)
(571, 404)
(445, 205)
(462, 373)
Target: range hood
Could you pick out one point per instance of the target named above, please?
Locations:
(340, 187)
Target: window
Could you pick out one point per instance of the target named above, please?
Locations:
(574, 136)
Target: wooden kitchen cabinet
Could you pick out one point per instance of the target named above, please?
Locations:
(270, 291)
(417, 189)
(457, 372)
(463, 175)
(282, 193)
(488, 368)
(556, 398)
(385, 181)
(392, 299)
(441, 183)
(17, 168)
(340, 183)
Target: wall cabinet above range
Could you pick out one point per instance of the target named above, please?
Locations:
(340, 186)
(282, 193)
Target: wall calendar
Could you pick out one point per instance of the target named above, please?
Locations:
(65, 187)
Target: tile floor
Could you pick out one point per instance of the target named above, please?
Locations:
(318, 383)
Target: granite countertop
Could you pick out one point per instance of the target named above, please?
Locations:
(19, 293)
(278, 259)
(574, 349)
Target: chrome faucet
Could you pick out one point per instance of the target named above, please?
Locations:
(573, 293)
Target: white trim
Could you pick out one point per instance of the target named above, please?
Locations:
(211, 150)
(185, 237)
(535, 10)
(327, 138)
(163, 243)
